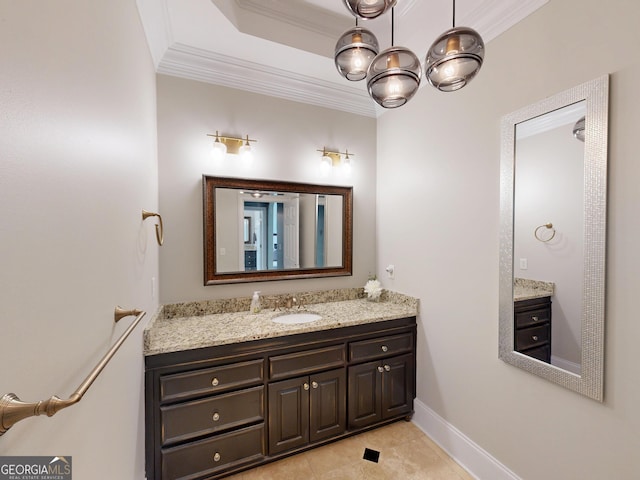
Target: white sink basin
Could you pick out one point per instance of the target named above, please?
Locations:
(299, 317)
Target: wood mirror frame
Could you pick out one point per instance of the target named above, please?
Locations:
(211, 274)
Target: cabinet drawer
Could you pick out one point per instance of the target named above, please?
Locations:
(380, 347)
(304, 362)
(542, 353)
(187, 420)
(533, 317)
(181, 386)
(531, 337)
(213, 455)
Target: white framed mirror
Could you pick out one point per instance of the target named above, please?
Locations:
(553, 196)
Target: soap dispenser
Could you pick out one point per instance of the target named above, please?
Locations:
(255, 302)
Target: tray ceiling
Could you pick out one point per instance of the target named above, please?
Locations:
(284, 48)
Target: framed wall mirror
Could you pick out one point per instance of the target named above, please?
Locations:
(553, 193)
(259, 230)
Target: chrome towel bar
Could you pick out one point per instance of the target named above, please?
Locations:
(12, 409)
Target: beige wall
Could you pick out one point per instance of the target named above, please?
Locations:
(77, 166)
(288, 135)
(438, 222)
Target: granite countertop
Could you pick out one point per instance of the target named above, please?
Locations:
(193, 325)
(525, 289)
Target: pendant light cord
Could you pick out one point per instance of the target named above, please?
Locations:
(393, 9)
(454, 14)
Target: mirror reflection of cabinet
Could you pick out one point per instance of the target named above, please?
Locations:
(257, 230)
(553, 229)
(532, 328)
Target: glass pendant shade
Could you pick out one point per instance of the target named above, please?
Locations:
(579, 128)
(454, 59)
(394, 77)
(368, 9)
(355, 50)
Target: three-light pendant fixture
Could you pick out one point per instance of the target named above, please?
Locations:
(393, 75)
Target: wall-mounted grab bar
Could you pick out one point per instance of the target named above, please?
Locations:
(12, 409)
(159, 226)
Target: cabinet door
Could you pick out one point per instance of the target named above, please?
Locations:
(328, 400)
(397, 388)
(288, 414)
(365, 407)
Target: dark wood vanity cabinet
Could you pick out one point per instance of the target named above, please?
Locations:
(532, 328)
(307, 409)
(215, 411)
(380, 390)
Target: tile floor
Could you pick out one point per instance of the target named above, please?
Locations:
(406, 453)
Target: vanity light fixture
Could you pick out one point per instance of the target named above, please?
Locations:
(394, 75)
(368, 9)
(454, 58)
(332, 159)
(233, 145)
(354, 51)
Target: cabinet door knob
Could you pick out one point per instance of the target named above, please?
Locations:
(216, 457)
(215, 382)
(216, 417)
(380, 369)
(535, 338)
(305, 386)
(384, 348)
(314, 384)
(535, 318)
(387, 368)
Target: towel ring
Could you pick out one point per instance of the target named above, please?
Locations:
(159, 226)
(548, 226)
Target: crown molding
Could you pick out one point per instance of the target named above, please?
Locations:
(205, 66)
(156, 23)
(490, 18)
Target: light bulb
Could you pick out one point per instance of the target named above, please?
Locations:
(325, 165)
(218, 150)
(357, 61)
(450, 70)
(246, 154)
(393, 86)
(346, 165)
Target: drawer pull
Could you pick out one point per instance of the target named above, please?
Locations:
(216, 457)
(314, 384)
(216, 417)
(535, 338)
(387, 368)
(215, 382)
(535, 318)
(384, 348)
(380, 369)
(305, 386)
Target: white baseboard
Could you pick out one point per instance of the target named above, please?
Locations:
(479, 463)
